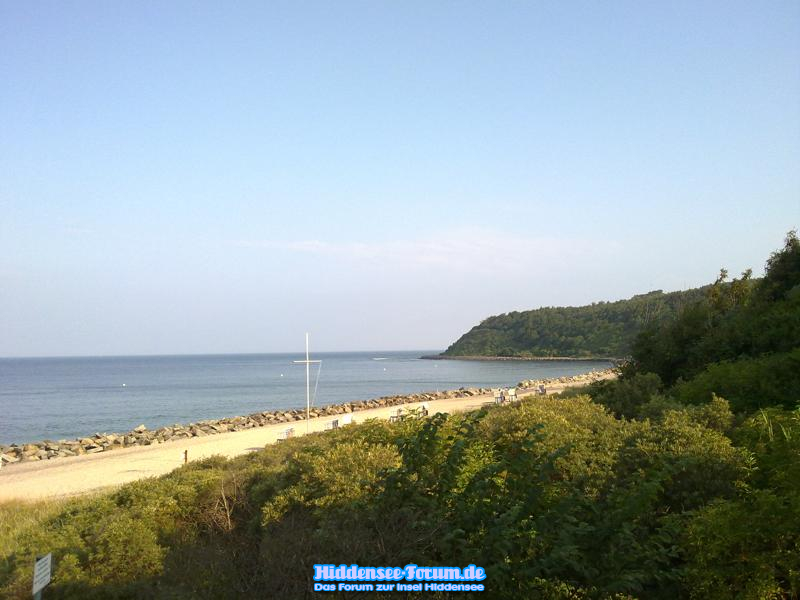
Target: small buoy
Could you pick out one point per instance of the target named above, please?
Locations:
(384, 368)
(281, 374)
(124, 385)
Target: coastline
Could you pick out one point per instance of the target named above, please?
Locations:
(526, 358)
(32, 479)
(48, 449)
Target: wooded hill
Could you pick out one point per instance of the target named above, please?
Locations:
(602, 329)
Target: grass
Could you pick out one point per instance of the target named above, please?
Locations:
(17, 517)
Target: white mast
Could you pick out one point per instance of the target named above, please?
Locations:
(307, 362)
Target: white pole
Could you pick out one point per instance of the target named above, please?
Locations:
(308, 362)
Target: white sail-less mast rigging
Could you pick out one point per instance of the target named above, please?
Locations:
(307, 363)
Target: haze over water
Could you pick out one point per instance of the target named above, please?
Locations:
(55, 398)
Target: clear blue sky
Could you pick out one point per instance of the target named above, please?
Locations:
(221, 177)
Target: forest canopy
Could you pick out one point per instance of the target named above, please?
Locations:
(600, 330)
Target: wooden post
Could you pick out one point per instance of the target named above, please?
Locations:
(185, 456)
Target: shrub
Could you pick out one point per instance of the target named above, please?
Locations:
(748, 384)
(123, 550)
(746, 548)
(626, 396)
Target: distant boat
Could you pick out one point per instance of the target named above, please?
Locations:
(380, 358)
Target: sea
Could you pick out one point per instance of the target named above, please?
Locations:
(64, 398)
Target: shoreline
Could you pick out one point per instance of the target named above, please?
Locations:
(75, 475)
(15, 454)
(525, 358)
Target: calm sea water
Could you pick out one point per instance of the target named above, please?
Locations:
(55, 398)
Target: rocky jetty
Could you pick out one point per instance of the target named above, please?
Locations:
(142, 436)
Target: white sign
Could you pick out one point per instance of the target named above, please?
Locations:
(41, 572)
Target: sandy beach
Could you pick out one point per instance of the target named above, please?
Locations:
(80, 474)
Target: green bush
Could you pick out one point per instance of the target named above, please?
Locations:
(748, 384)
(123, 550)
(626, 396)
(749, 546)
(745, 548)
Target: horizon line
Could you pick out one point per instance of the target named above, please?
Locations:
(167, 355)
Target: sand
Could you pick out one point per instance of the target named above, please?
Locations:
(76, 475)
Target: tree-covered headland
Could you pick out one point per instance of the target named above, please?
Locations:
(681, 479)
(600, 330)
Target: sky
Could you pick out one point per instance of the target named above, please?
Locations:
(220, 177)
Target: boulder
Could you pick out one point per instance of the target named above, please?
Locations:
(29, 449)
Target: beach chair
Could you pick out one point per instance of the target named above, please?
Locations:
(542, 390)
(512, 394)
(498, 396)
(398, 416)
(347, 419)
(286, 434)
(332, 424)
(417, 412)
